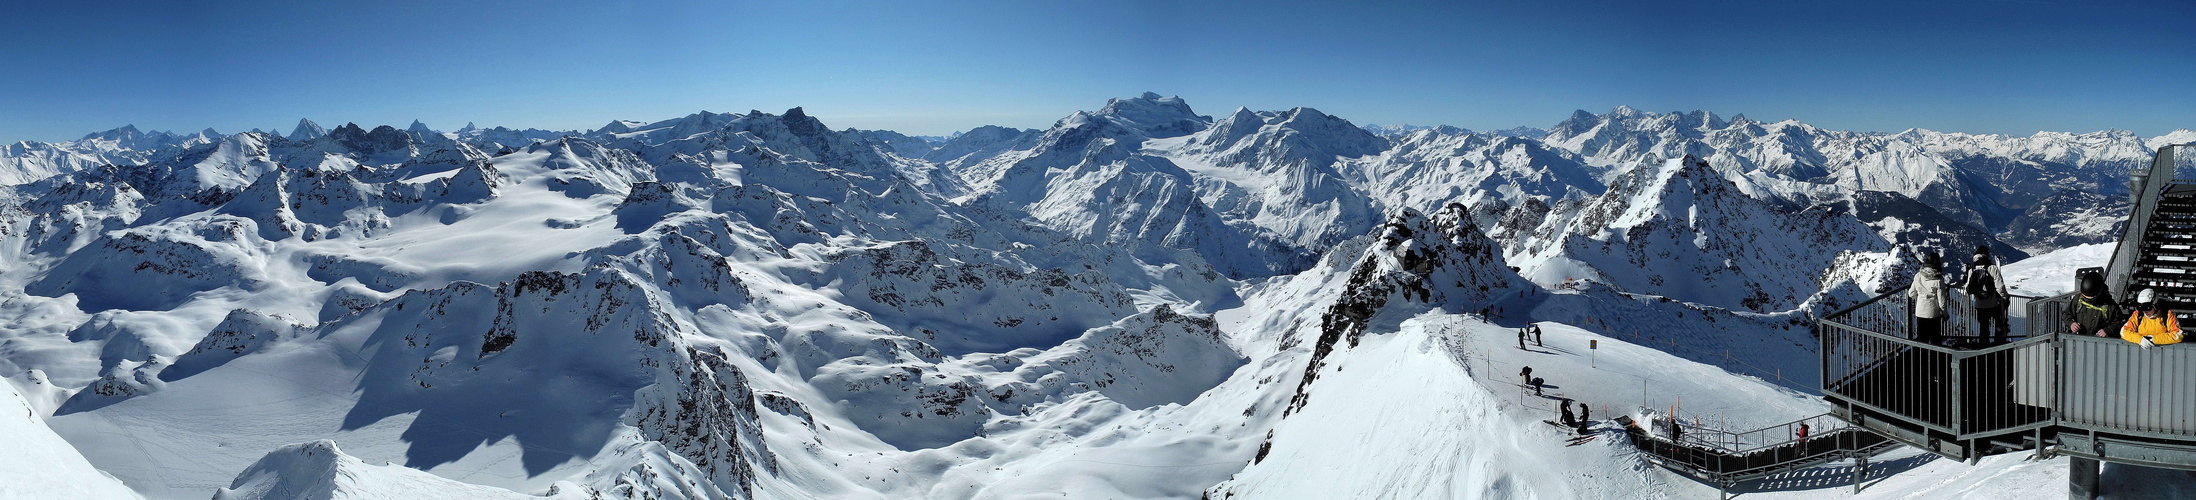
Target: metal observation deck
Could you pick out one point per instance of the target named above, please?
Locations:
(2091, 398)
(1725, 458)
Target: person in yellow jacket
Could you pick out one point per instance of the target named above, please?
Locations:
(2152, 327)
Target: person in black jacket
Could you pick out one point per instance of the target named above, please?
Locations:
(2095, 313)
(1585, 417)
(1986, 287)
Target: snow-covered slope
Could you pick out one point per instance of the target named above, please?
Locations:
(38, 464)
(2053, 273)
(1275, 171)
(1089, 177)
(319, 471)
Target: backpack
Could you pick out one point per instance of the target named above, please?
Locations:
(1983, 288)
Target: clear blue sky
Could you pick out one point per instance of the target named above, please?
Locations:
(921, 68)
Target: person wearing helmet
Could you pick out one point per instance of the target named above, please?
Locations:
(2095, 311)
(2153, 326)
(1927, 299)
(1986, 286)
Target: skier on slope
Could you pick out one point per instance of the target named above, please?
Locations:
(1536, 335)
(1986, 285)
(1521, 339)
(1569, 419)
(1528, 374)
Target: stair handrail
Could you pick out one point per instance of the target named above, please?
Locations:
(2144, 188)
(1706, 461)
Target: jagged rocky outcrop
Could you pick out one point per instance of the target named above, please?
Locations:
(157, 267)
(1414, 262)
(243, 331)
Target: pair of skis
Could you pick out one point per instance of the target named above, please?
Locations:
(1573, 441)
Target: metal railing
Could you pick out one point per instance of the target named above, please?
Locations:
(1889, 313)
(1725, 458)
(1744, 442)
(1882, 372)
(2049, 316)
(2112, 385)
(1870, 358)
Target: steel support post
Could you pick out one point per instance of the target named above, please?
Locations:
(2081, 478)
(1860, 471)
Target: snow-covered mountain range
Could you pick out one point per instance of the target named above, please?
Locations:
(1137, 301)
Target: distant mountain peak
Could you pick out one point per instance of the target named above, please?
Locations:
(307, 130)
(122, 133)
(1159, 117)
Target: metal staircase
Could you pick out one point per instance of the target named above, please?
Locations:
(2166, 258)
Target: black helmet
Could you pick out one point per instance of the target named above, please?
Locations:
(1932, 261)
(1982, 249)
(2092, 285)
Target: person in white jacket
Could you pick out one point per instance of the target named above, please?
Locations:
(1929, 299)
(1986, 286)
